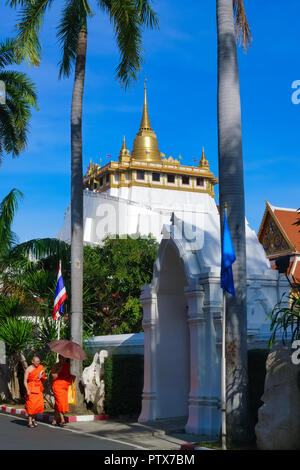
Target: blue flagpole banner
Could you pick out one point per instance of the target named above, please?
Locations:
(228, 258)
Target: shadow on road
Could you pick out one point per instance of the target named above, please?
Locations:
(20, 422)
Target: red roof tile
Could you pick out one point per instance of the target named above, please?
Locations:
(287, 218)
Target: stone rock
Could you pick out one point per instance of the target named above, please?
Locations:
(93, 382)
(278, 426)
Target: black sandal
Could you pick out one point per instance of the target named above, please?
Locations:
(34, 423)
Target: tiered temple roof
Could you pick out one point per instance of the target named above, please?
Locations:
(147, 166)
(281, 237)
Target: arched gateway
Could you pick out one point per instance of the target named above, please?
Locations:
(182, 312)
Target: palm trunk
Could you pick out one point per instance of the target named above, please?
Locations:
(13, 382)
(77, 207)
(232, 192)
(23, 361)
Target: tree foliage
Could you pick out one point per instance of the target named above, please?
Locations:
(113, 276)
(20, 97)
(128, 18)
(285, 317)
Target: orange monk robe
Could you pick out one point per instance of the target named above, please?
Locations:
(60, 388)
(34, 403)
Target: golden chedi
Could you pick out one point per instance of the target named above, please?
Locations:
(145, 145)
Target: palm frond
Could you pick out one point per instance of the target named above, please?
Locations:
(127, 28)
(17, 3)
(74, 19)
(128, 18)
(7, 52)
(15, 114)
(41, 248)
(29, 26)
(9, 142)
(148, 15)
(16, 333)
(11, 306)
(8, 208)
(242, 29)
(19, 83)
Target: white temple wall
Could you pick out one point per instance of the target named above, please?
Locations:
(137, 210)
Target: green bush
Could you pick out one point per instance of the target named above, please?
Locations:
(256, 376)
(123, 378)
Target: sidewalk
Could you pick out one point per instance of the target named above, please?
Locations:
(165, 434)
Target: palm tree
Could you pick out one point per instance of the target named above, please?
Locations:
(20, 98)
(8, 207)
(128, 18)
(232, 26)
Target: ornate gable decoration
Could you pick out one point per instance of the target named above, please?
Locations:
(170, 161)
(272, 238)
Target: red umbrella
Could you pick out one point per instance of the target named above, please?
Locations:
(67, 348)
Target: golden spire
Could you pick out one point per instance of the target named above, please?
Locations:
(203, 162)
(145, 146)
(145, 122)
(124, 153)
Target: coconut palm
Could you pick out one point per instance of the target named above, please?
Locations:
(20, 97)
(232, 26)
(128, 18)
(8, 207)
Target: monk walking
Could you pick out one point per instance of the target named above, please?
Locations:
(34, 399)
(62, 378)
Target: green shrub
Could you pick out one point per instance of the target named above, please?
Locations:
(123, 378)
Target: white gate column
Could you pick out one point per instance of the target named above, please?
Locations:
(204, 411)
(149, 396)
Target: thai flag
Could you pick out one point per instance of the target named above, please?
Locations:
(60, 295)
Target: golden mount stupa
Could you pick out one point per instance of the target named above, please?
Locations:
(146, 166)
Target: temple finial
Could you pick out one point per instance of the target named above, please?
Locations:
(203, 162)
(145, 123)
(124, 155)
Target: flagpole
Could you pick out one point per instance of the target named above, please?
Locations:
(223, 366)
(223, 376)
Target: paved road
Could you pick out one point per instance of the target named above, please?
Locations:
(15, 435)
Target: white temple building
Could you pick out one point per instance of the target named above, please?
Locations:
(146, 193)
(138, 193)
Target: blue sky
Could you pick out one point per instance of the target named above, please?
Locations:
(181, 67)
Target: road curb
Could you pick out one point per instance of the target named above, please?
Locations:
(48, 418)
(188, 446)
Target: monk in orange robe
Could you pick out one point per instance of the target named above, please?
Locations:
(34, 399)
(62, 378)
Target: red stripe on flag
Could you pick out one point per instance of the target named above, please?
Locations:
(57, 306)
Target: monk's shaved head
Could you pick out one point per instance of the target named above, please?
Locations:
(35, 360)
